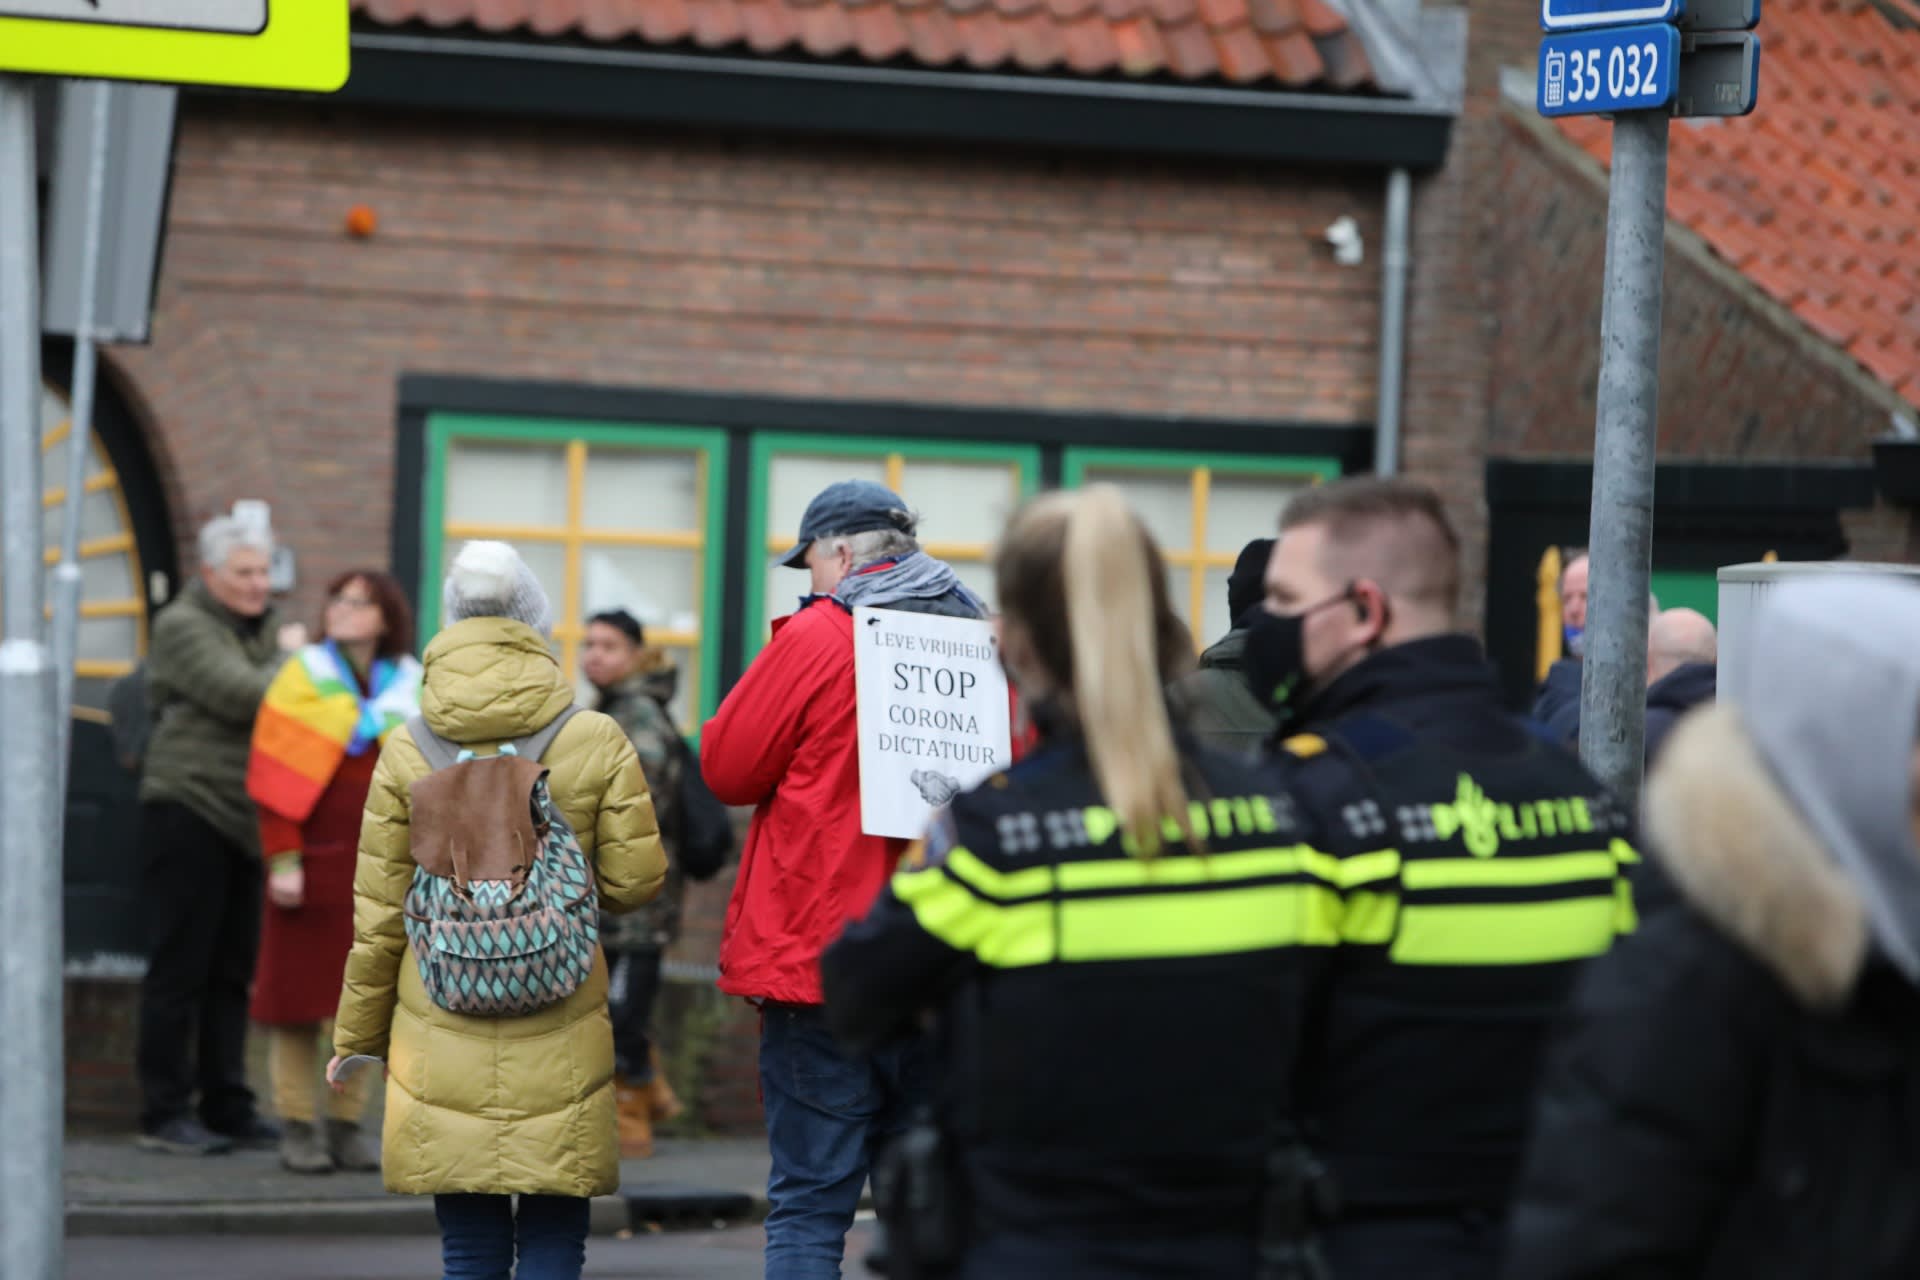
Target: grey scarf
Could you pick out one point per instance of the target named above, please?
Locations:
(916, 577)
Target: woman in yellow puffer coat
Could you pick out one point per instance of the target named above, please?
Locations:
(482, 1109)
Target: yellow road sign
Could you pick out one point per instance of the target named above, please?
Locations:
(261, 44)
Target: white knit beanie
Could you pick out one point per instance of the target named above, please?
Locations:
(490, 580)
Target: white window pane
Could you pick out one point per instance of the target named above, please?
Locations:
(100, 516)
(795, 479)
(107, 578)
(642, 489)
(506, 484)
(92, 692)
(96, 460)
(1164, 500)
(655, 584)
(980, 578)
(961, 501)
(784, 589)
(109, 639)
(681, 705)
(1242, 508)
(53, 409)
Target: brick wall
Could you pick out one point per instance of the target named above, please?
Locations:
(101, 1028)
(1451, 299)
(1740, 379)
(658, 260)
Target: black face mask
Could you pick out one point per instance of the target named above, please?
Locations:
(1275, 661)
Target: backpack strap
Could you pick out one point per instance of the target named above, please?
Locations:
(440, 754)
(535, 745)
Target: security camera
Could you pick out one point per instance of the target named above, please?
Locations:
(1349, 250)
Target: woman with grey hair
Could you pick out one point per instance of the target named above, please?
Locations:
(507, 1121)
(214, 651)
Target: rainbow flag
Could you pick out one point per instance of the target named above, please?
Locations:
(314, 716)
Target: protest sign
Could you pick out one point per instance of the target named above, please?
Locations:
(934, 718)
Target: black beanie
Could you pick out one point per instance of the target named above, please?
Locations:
(623, 622)
(1247, 584)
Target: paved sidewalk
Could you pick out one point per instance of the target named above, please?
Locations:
(114, 1188)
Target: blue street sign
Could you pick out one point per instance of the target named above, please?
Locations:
(1602, 72)
(1586, 15)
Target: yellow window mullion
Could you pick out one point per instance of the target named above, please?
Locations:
(971, 552)
(576, 526)
(130, 608)
(1197, 567)
(504, 533)
(99, 482)
(896, 471)
(94, 548)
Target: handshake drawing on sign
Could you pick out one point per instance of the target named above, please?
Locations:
(935, 788)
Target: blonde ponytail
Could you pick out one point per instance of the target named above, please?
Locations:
(1110, 569)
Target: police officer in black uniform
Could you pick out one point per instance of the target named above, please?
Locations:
(1112, 935)
(1479, 865)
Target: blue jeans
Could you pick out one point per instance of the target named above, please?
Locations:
(827, 1116)
(479, 1236)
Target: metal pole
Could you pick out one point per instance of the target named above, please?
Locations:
(67, 581)
(1393, 323)
(1613, 681)
(31, 1092)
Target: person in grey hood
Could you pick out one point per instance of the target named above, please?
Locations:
(1214, 702)
(1737, 1090)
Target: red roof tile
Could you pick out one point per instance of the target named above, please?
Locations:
(1815, 195)
(1284, 44)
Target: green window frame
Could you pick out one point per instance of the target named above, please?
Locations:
(764, 543)
(708, 541)
(1688, 589)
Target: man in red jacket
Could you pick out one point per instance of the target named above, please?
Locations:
(786, 741)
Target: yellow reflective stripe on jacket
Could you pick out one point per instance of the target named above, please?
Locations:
(1626, 918)
(947, 909)
(1203, 911)
(1190, 869)
(1505, 933)
(1364, 868)
(1028, 882)
(1209, 923)
(1370, 917)
(1477, 873)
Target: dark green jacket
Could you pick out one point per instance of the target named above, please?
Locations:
(639, 704)
(1219, 708)
(207, 669)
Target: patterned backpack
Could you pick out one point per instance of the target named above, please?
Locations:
(502, 915)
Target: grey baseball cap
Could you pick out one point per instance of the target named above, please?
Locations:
(846, 506)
